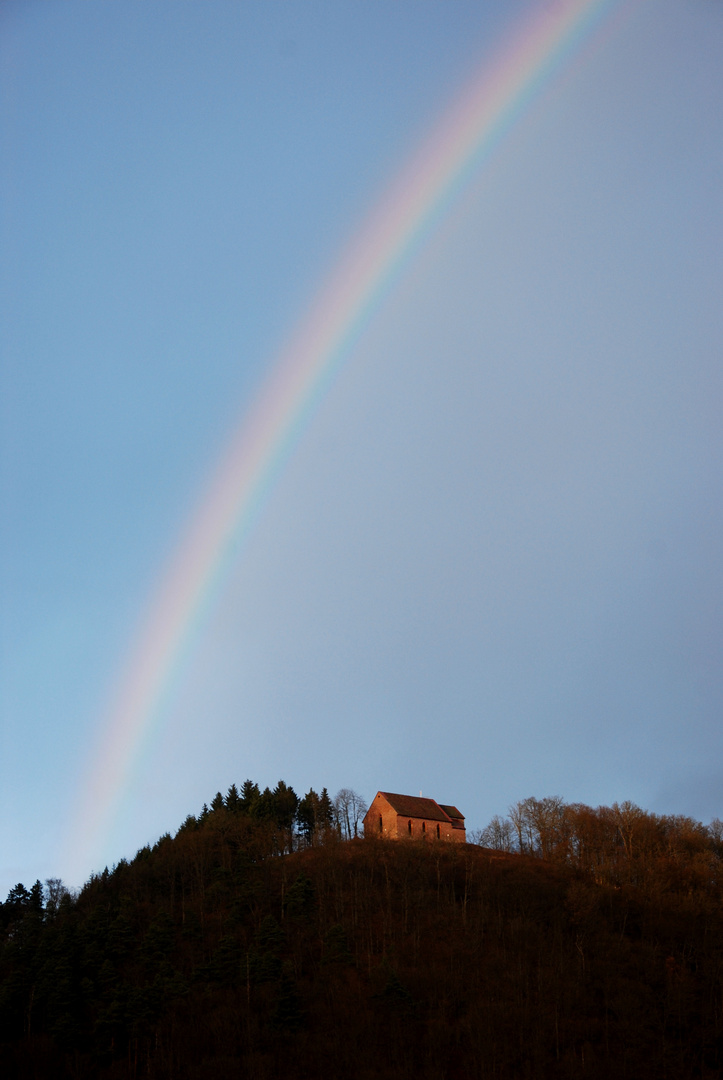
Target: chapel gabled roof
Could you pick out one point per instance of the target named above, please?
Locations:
(452, 811)
(414, 806)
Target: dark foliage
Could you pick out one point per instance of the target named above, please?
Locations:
(217, 954)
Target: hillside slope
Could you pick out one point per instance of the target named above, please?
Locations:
(209, 957)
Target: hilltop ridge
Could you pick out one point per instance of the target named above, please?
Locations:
(213, 954)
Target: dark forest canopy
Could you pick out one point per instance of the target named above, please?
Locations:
(575, 942)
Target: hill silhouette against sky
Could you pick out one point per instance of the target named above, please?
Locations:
(257, 943)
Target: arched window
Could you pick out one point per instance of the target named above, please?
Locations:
(424, 826)
(381, 826)
(409, 826)
(438, 834)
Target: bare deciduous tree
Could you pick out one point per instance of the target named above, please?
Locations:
(54, 890)
(499, 835)
(350, 808)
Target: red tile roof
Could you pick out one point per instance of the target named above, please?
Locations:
(413, 806)
(452, 811)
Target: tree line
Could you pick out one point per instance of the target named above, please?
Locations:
(211, 953)
(274, 822)
(301, 822)
(614, 844)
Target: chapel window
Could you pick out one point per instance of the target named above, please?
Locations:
(409, 826)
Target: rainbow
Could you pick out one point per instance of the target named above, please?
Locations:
(416, 202)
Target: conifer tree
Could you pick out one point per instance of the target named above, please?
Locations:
(325, 817)
(233, 802)
(286, 802)
(306, 815)
(264, 808)
(249, 796)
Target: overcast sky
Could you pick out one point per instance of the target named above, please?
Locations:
(492, 566)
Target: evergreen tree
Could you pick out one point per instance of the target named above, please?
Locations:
(233, 801)
(189, 824)
(325, 817)
(306, 815)
(286, 802)
(17, 903)
(315, 815)
(265, 807)
(249, 796)
(35, 904)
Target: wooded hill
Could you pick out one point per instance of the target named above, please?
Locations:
(216, 954)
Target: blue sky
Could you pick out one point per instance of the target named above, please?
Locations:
(491, 568)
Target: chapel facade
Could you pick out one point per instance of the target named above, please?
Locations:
(410, 817)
